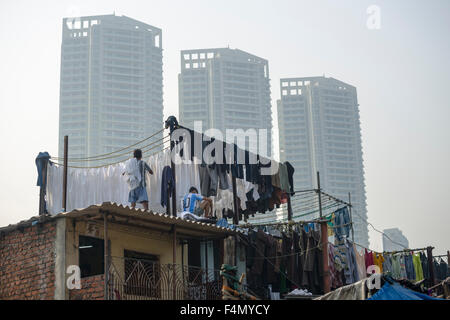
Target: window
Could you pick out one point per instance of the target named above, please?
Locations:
(142, 274)
(91, 256)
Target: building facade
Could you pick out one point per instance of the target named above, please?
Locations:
(319, 130)
(120, 254)
(225, 89)
(110, 84)
(394, 240)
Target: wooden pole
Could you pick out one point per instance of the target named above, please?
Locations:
(351, 217)
(42, 190)
(66, 150)
(319, 192)
(326, 271)
(235, 203)
(174, 192)
(172, 165)
(431, 265)
(174, 261)
(206, 266)
(289, 207)
(106, 253)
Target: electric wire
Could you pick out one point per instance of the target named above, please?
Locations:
(117, 155)
(116, 151)
(117, 162)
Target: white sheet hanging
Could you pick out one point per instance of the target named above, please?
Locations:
(86, 187)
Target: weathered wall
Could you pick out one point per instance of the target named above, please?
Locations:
(27, 258)
(92, 288)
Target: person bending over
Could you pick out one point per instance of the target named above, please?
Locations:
(190, 203)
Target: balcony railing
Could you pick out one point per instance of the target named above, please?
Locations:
(138, 279)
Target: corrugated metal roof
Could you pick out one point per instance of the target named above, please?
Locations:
(149, 219)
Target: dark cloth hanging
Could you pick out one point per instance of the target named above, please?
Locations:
(290, 171)
(313, 264)
(251, 248)
(260, 253)
(41, 161)
(295, 258)
(211, 177)
(409, 265)
(442, 270)
(425, 268)
(288, 259)
(271, 261)
(257, 276)
(167, 185)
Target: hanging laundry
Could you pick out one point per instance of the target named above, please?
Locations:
(387, 264)
(368, 257)
(418, 267)
(396, 268)
(403, 273)
(424, 263)
(409, 265)
(360, 262)
(167, 185)
(347, 255)
(290, 172)
(342, 223)
(378, 260)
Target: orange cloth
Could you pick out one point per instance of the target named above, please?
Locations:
(378, 260)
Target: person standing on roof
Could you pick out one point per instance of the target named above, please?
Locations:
(135, 170)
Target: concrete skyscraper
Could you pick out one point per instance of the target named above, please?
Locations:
(394, 240)
(111, 84)
(225, 89)
(319, 130)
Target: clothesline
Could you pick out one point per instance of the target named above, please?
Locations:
(117, 162)
(116, 151)
(117, 155)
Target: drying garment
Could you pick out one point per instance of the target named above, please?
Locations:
(347, 255)
(342, 223)
(424, 263)
(271, 253)
(284, 178)
(167, 185)
(378, 260)
(335, 276)
(222, 202)
(252, 173)
(312, 276)
(396, 267)
(86, 187)
(360, 262)
(387, 264)
(281, 178)
(242, 188)
(368, 258)
(403, 273)
(440, 269)
(417, 267)
(41, 162)
(409, 265)
(211, 177)
(290, 172)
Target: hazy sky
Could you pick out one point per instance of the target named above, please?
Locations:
(401, 72)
